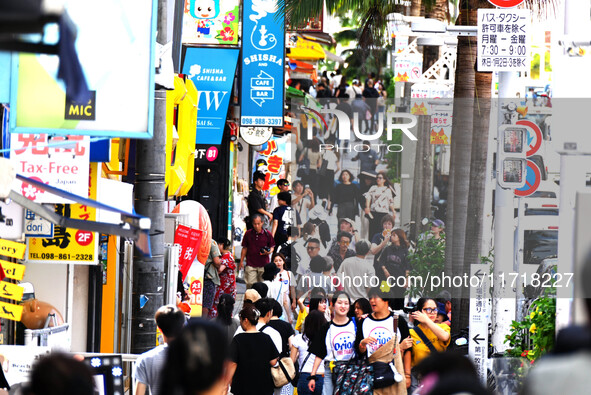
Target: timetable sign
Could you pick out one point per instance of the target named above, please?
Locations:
(504, 40)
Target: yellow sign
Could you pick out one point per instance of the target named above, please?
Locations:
(11, 311)
(13, 270)
(11, 291)
(12, 249)
(69, 245)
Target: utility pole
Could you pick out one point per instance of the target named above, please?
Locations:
(504, 306)
(149, 273)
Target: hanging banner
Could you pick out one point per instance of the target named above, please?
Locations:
(11, 311)
(212, 71)
(262, 64)
(211, 22)
(441, 124)
(271, 161)
(115, 44)
(69, 245)
(59, 161)
(408, 69)
(188, 238)
(11, 291)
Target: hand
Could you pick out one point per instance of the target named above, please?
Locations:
(386, 273)
(420, 316)
(270, 216)
(240, 265)
(367, 211)
(406, 344)
(312, 385)
(368, 340)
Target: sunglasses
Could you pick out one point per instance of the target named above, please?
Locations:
(311, 248)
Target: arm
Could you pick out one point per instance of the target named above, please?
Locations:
(265, 212)
(294, 353)
(312, 382)
(242, 256)
(231, 370)
(140, 388)
(441, 333)
(274, 228)
(375, 248)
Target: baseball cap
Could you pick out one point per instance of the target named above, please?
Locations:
(437, 222)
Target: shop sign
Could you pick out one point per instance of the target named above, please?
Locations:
(271, 161)
(18, 361)
(211, 22)
(212, 71)
(69, 245)
(12, 249)
(11, 220)
(120, 77)
(11, 291)
(206, 154)
(59, 161)
(262, 64)
(11, 311)
(13, 270)
(255, 135)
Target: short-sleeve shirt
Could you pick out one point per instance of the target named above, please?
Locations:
(284, 217)
(254, 241)
(335, 342)
(149, 366)
(419, 350)
(286, 331)
(381, 198)
(211, 272)
(382, 330)
(252, 353)
(256, 201)
(301, 343)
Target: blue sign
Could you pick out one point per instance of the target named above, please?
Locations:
(212, 71)
(263, 50)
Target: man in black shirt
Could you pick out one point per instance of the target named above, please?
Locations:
(256, 200)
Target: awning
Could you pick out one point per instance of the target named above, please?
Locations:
(306, 50)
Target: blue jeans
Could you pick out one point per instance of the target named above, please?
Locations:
(328, 388)
(303, 385)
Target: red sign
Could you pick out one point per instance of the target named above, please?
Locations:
(533, 142)
(533, 176)
(506, 3)
(188, 238)
(84, 237)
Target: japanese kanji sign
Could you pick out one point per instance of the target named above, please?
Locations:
(479, 317)
(441, 125)
(60, 161)
(188, 238)
(503, 40)
(69, 245)
(271, 162)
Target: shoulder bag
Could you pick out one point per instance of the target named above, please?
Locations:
(354, 376)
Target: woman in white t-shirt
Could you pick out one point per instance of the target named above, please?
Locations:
(300, 352)
(286, 286)
(335, 342)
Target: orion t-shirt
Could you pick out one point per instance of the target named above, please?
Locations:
(335, 342)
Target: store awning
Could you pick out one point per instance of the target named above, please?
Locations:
(306, 50)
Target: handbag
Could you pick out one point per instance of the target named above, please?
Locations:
(368, 115)
(323, 168)
(284, 372)
(304, 165)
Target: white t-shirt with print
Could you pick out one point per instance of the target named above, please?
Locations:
(381, 330)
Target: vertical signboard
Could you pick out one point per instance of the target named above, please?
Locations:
(211, 22)
(262, 64)
(212, 72)
(479, 318)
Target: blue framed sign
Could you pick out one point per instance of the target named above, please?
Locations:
(212, 71)
(263, 47)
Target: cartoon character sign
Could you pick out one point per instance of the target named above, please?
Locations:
(206, 11)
